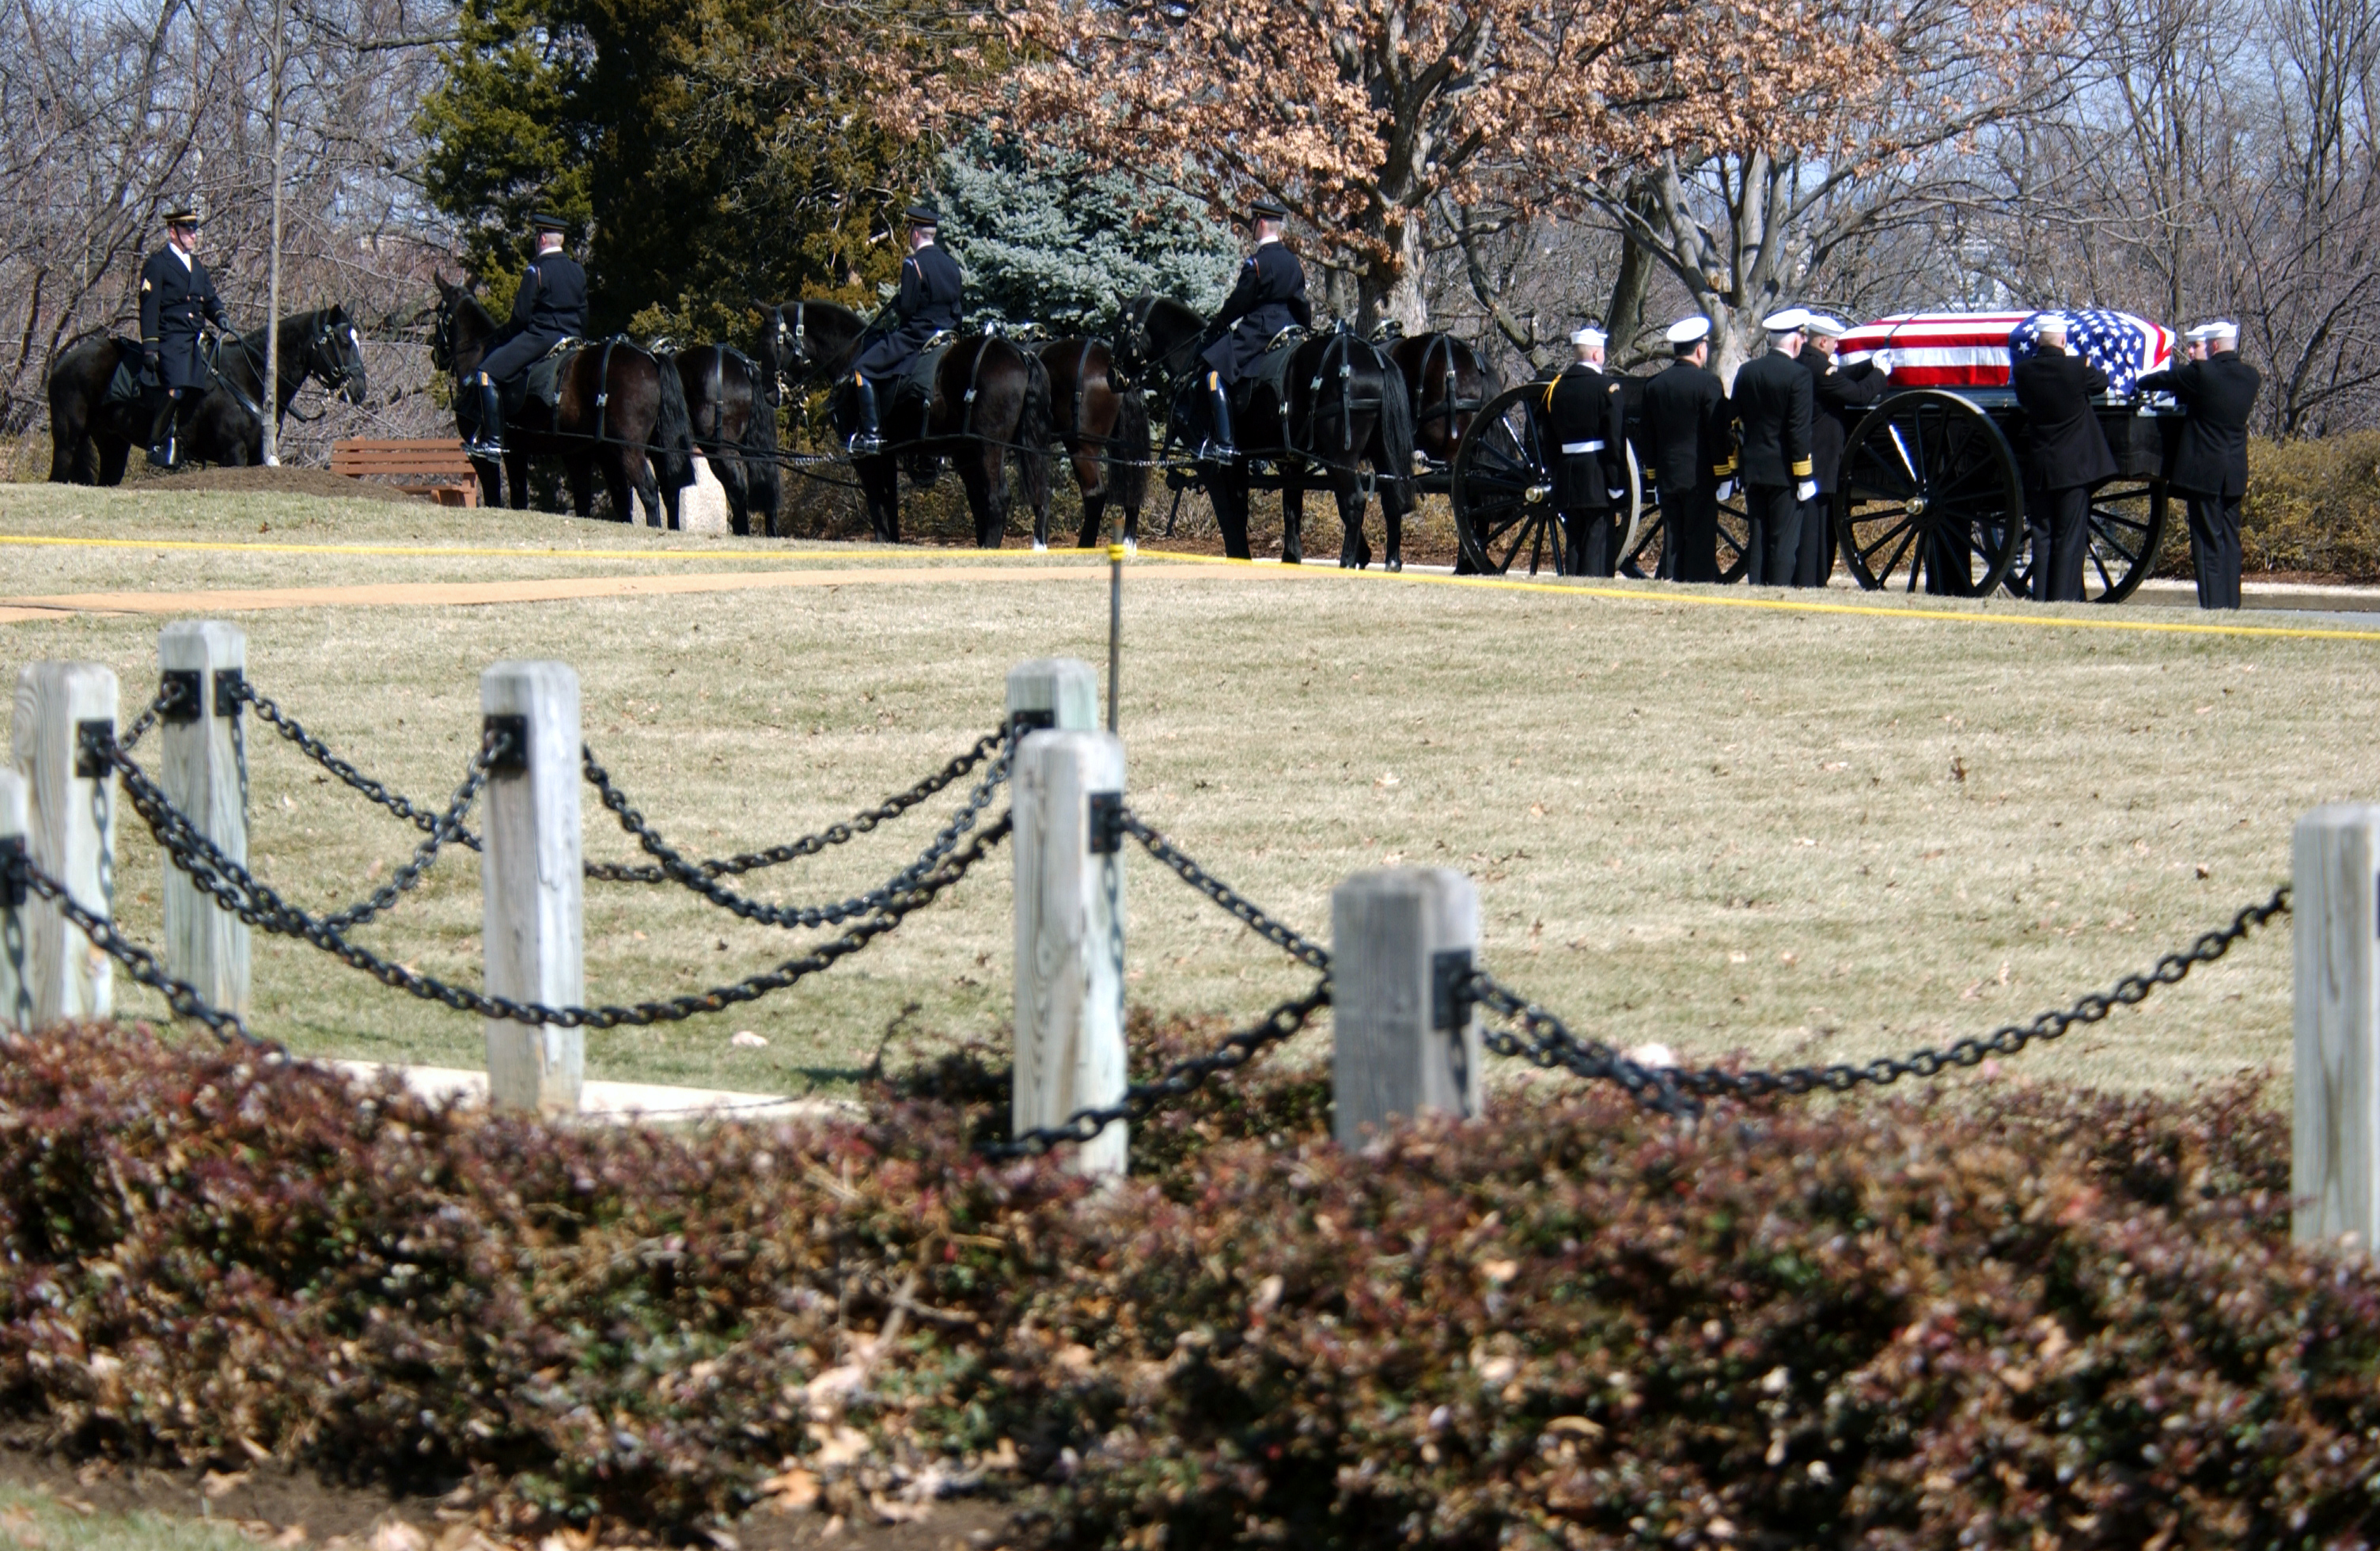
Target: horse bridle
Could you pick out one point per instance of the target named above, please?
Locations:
(332, 379)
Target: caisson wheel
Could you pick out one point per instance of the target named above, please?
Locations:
(2128, 518)
(1930, 497)
(1647, 535)
(1502, 487)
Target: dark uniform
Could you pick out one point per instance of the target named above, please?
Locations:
(1269, 296)
(1773, 400)
(550, 307)
(1583, 421)
(2067, 456)
(2209, 462)
(932, 293)
(1838, 395)
(1684, 438)
(176, 298)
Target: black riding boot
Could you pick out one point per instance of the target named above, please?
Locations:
(1219, 447)
(868, 440)
(163, 452)
(487, 440)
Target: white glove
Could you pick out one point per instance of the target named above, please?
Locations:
(1726, 488)
(1615, 497)
(1882, 361)
(1806, 491)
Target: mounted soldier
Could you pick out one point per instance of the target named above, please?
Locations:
(1584, 417)
(550, 307)
(1268, 297)
(929, 302)
(176, 298)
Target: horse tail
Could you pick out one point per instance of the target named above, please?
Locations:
(1034, 431)
(763, 488)
(1128, 450)
(671, 445)
(1396, 427)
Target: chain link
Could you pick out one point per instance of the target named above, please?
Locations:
(1681, 1090)
(17, 868)
(142, 724)
(425, 820)
(1183, 1077)
(851, 828)
(1254, 916)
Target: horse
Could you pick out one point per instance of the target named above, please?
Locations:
(733, 408)
(1335, 399)
(1449, 382)
(621, 408)
(988, 397)
(91, 440)
(1102, 423)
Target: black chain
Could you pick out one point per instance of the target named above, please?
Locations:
(859, 824)
(1676, 1090)
(425, 820)
(1295, 944)
(142, 724)
(17, 870)
(1143, 1099)
(693, 876)
(232, 886)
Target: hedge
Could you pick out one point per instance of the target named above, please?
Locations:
(2312, 506)
(1991, 1314)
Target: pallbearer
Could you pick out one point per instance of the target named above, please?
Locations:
(1773, 406)
(1838, 395)
(1687, 439)
(1583, 421)
(2066, 458)
(2209, 465)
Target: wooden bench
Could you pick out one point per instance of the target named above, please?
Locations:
(433, 467)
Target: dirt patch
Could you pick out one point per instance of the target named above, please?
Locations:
(271, 1501)
(286, 482)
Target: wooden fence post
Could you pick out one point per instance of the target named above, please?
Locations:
(1405, 1039)
(70, 810)
(531, 884)
(1067, 790)
(1054, 692)
(15, 980)
(2335, 926)
(202, 765)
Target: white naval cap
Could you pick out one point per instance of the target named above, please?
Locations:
(2050, 322)
(1826, 327)
(1686, 330)
(1588, 335)
(2215, 329)
(1793, 320)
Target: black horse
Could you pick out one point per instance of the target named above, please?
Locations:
(1102, 424)
(91, 439)
(1317, 411)
(988, 398)
(622, 409)
(1449, 382)
(733, 405)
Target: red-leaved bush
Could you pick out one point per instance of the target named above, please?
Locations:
(1985, 1315)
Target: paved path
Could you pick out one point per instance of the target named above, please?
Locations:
(612, 1102)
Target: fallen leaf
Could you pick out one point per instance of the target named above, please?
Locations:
(791, 1491)
(218, 1485)
(396, 1534)
(748, 1040)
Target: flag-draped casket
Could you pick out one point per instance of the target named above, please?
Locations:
(1977, 349)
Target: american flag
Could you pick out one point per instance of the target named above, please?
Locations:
(1977, 349)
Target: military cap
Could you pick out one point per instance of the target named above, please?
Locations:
(1826, 327)
(546, 220)
(1793, 320)
(1687, 331)
(1592, 333)
(1264, 207)
(2214, 330)
(181, 215)
(922, 214)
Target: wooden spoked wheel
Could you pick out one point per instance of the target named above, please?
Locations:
(1640, 555)
(1930, 497)
(1502, 484)
(2128, 520)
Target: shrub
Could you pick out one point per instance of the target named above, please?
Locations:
(2311, 507)
(1981, 1315)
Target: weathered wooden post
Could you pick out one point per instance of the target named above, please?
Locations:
(202, 765)
(70, 814)
(531, 884)
(1067, 797)
(1053, 692)
(1405, 1035)
(2335, 1140)
(16, 982)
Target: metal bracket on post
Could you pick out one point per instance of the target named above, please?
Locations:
(231, 688)
(510, 754)
(1022, 722)
(94, 741)
(1450, 989)
(177, 695)
(1107, 822)
(14, 890)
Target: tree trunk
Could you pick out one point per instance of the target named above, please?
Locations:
(1625, 319)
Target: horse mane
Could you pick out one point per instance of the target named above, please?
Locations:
(834, 308)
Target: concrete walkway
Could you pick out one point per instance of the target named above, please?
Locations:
(612, 1102)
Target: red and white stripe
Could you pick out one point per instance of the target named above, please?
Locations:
(1939, 349)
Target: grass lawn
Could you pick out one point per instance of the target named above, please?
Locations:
(1807, 835)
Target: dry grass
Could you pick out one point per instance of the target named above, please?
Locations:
(1805, 835)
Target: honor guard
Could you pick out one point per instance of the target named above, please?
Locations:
(1687, 441)
(2208, 463)
(929, 302)
(176, 297)
(1583, 413)
(1773, 406)
(2067, 456)
(1268, 297)
(550, 307)
(1838, 395)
